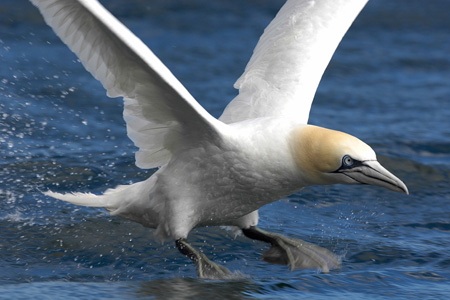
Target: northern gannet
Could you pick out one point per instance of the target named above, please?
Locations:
(221, 171)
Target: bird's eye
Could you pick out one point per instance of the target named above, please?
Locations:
(347, 161)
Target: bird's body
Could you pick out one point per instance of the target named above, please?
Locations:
(221, 171)
(213, 182)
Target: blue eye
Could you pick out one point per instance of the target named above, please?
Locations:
(347, 161)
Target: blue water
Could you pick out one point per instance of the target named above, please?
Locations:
(389, 84)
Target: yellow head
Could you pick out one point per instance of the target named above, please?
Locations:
(326, 156)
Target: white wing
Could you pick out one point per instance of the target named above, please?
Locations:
(290, 58)
(159, 111)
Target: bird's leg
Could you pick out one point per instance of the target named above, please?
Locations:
(206, 269)
(295, 253)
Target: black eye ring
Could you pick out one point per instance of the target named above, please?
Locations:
(347, 161)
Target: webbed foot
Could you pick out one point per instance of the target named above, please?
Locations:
(295, 253)
(206, 269)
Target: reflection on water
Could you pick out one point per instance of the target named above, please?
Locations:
(185, 288)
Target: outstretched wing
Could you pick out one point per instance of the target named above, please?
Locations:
(290, 58)
(159, 111)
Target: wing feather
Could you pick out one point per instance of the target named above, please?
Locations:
(290, 58)
(158, 109)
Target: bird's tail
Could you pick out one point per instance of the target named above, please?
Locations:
(126, 201)
(109, 200)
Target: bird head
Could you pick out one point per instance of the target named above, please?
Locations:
(326, 156)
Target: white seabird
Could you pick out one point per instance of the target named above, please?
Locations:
(220, 172)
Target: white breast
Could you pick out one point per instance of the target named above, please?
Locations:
(218, 182)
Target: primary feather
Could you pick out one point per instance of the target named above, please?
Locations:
(287, 64)
(159, 112)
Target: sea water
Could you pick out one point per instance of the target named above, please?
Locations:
(388, 84)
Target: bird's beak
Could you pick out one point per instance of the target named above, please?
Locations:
(372, 172)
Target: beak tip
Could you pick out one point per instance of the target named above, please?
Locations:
(403, 188)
